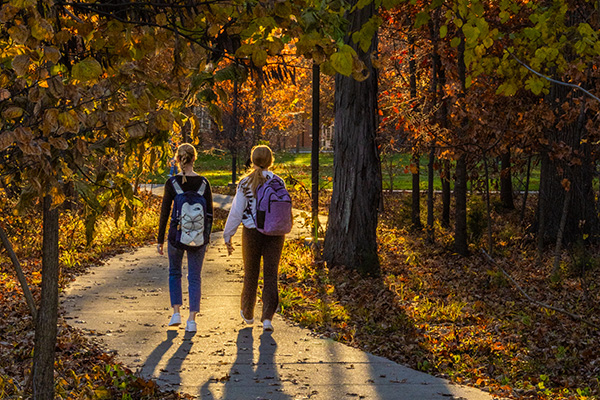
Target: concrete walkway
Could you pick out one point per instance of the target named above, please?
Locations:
(125, 305)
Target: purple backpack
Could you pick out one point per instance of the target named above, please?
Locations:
(273, 208)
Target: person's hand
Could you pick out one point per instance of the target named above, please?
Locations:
(159, 248)
(229, 248)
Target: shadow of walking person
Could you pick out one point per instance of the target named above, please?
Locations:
(241, 374)
(154, 358)
(266, 369)
(171, 373)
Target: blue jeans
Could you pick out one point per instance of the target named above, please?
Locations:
(195, 260)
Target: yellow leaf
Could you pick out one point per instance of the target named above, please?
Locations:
(23, 3)
(7, 138)
(41, 29)
(23, 135)
(259, 57)
(69, 121)
(87, 70)
(136, 130)
(50, 121)
(164, 120)
(82, 147)
(52, 54)
(19, 33)
(12, 112)
(56, 86)
(58, 142)
(62, 37)
(21, 64)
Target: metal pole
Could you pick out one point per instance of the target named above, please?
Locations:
(234, 133)
(314, 160)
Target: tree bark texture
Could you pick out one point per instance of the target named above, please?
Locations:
(20, 275)
(460, 187)
(416, 191)
(582, 217)
(47, 316)
(430, 196)
(577, 166)
(446, 195)
(461, 245)
(506, 187)
(351, 238)
(314, 159)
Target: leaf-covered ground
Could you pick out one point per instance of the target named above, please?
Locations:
(83, 369)
(457, 317)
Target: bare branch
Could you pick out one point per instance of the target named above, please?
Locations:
(572, 85)
(538, 303)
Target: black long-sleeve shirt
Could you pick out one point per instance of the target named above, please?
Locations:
(192, 183)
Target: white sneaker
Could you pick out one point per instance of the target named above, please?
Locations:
(248, 321)
(175, 319)
(191, 326)
(268, 326)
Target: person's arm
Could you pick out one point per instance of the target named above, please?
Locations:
(234, 219)
(209, 212)
(165, 211)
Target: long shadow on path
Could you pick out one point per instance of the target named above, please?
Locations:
(248, 379)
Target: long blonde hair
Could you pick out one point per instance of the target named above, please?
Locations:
(186, 154)
(262, 159)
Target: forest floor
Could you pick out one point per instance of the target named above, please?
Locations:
(83, 370)
(430, 309)
(460, 317)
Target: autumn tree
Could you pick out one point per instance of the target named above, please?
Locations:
(351, 238)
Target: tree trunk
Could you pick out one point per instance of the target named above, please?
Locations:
(351, 238)
(20, 275)
(578, 166)
(446, 195)
(582, 218)
(526, 190)
(46, 324)
(430, 194)
(461, 245)
(234, 133)
(460, 187)
(416, 191)
(314, 159)
(506, 187)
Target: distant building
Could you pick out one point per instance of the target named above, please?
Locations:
(326, 137)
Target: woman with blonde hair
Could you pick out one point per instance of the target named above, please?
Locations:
(255, 245)
(186, 182)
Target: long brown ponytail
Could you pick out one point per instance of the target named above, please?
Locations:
(262, 160)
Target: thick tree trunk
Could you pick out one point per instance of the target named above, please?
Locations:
(46, 324)
(351, 238)
(578, 166)
(582, 218)
(506, 187)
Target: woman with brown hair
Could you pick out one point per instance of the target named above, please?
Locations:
(186, 181)
(255, 245)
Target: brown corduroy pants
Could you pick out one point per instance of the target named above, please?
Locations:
(255, 246)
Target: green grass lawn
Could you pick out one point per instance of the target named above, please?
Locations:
(216, 166)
